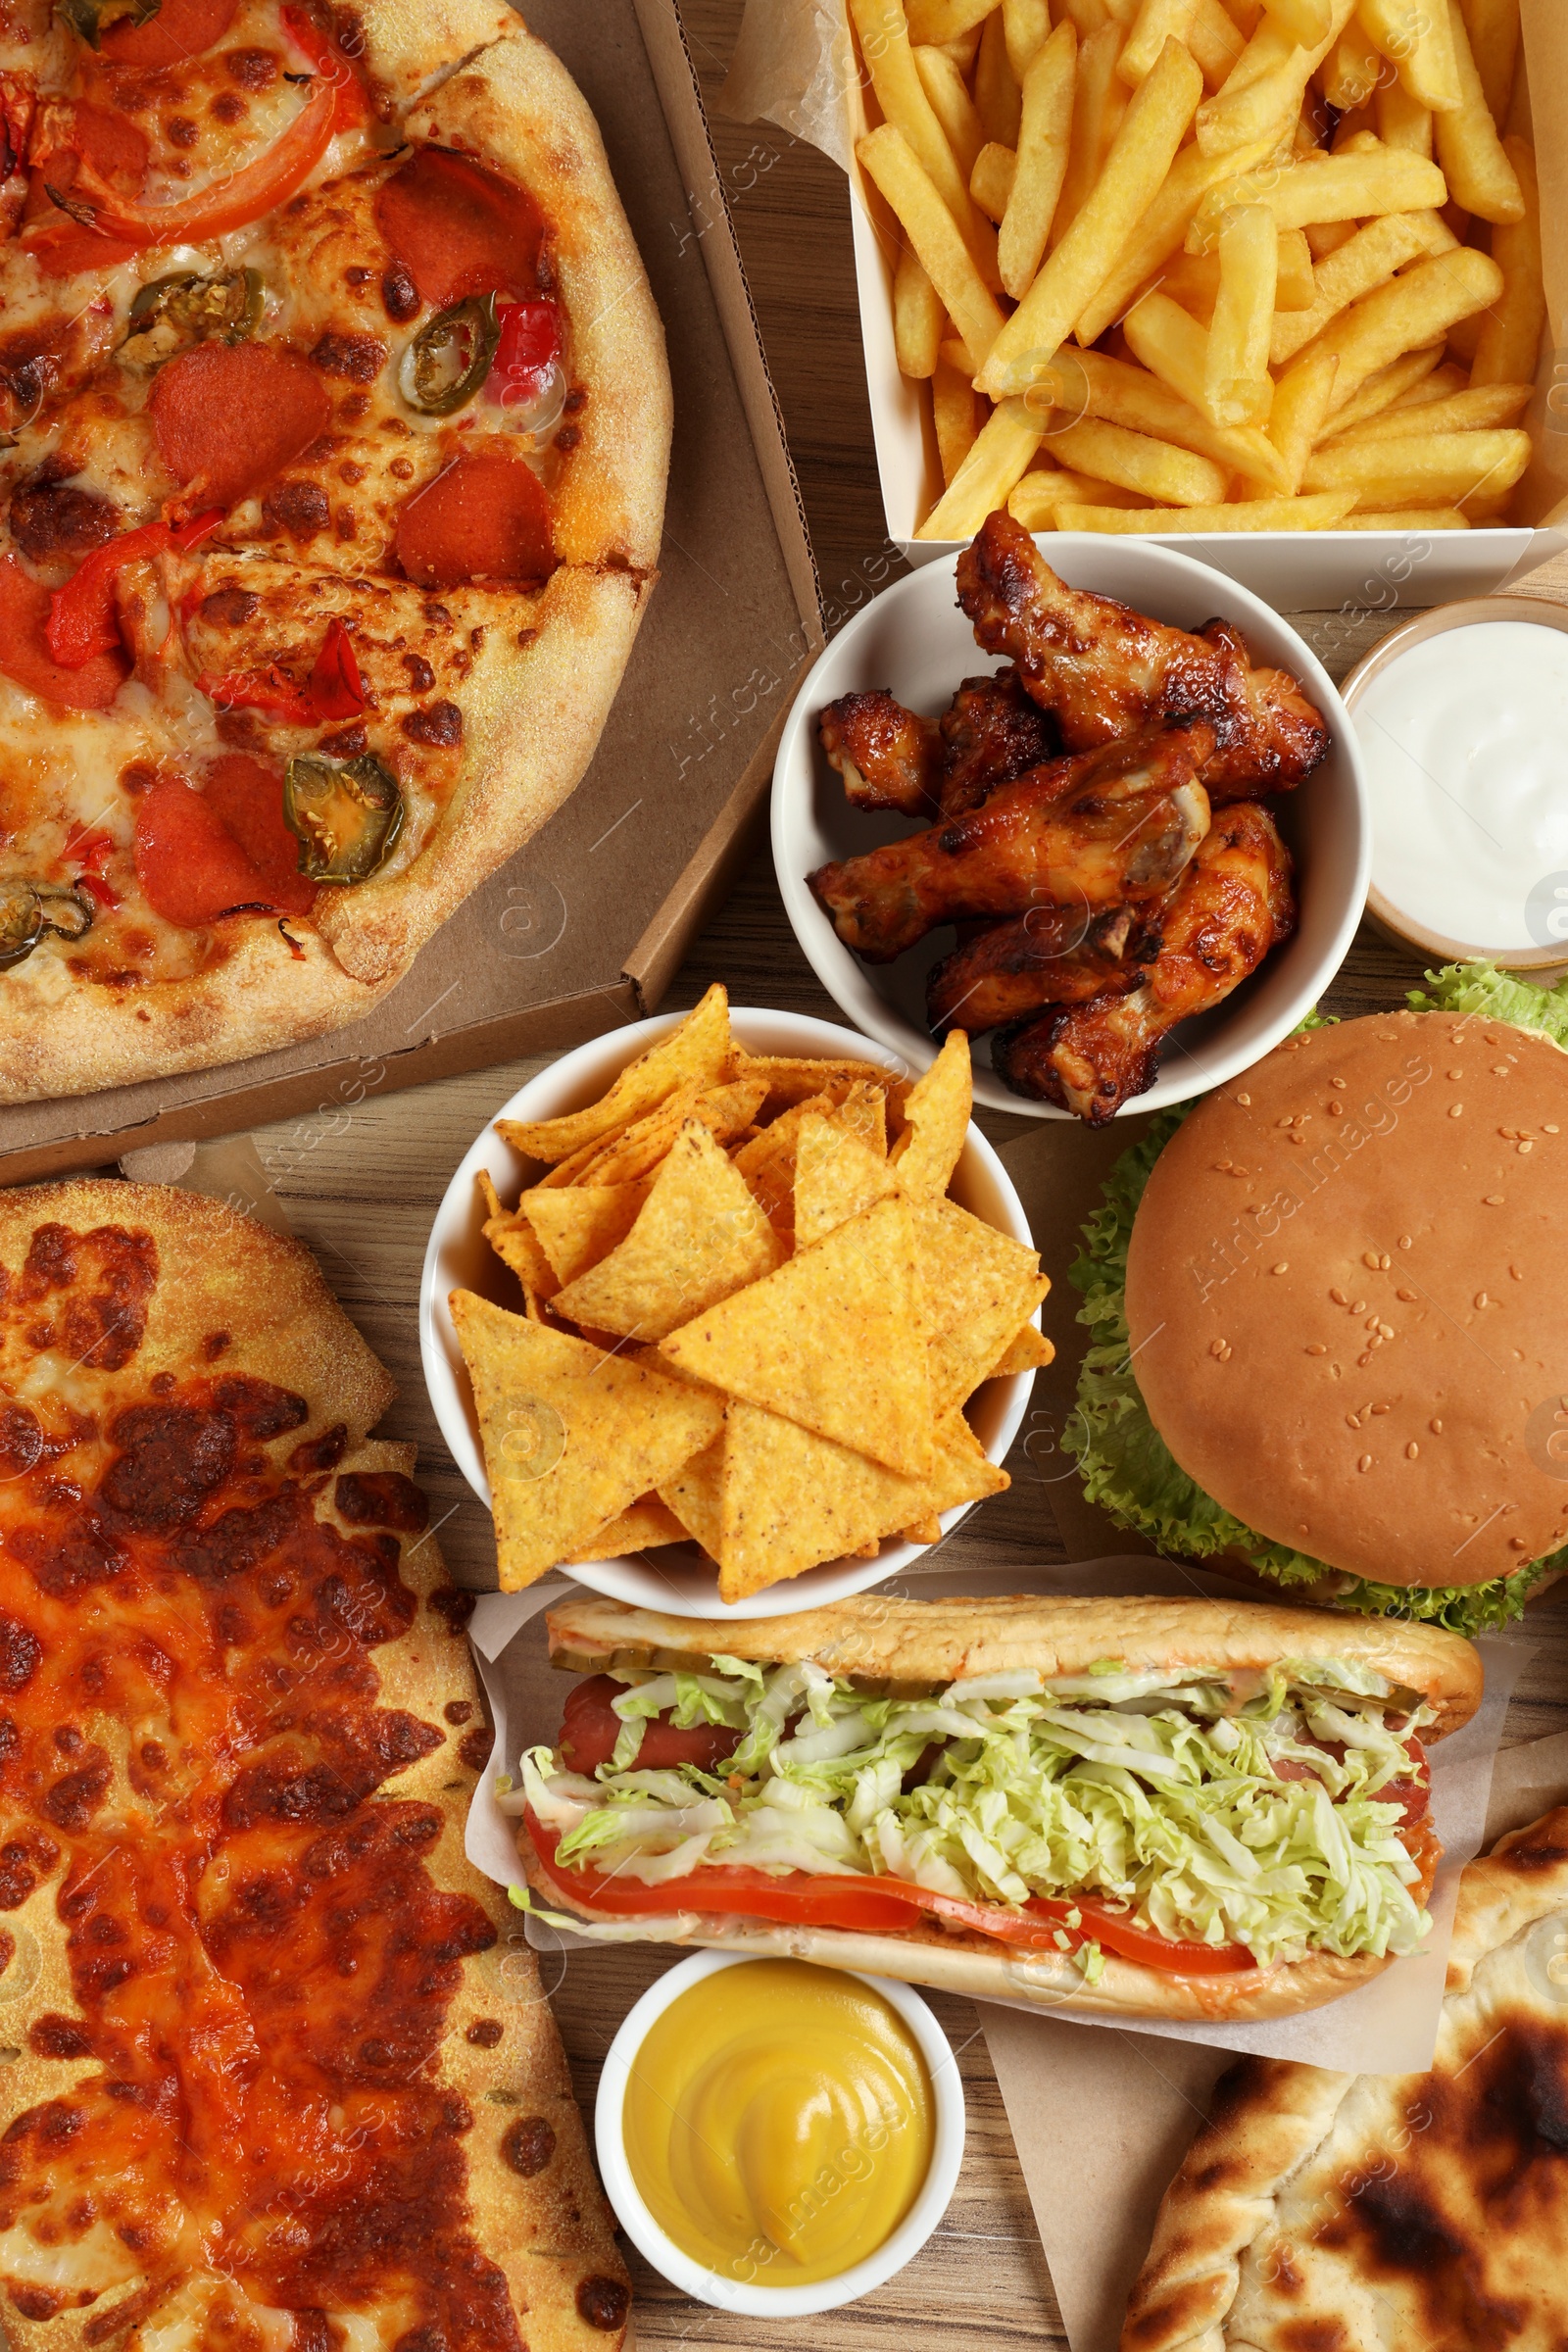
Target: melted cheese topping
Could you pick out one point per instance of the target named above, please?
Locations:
(198, 1791)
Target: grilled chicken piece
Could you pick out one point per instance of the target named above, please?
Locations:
(992, 732)
(889, 757)
(1109, 828)
(1101, 669)
(1050, 955)
(1232, 906)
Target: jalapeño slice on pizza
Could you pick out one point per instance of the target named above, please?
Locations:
(271, 2082)
(335, 425)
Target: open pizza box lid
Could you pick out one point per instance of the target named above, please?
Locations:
(587, 925)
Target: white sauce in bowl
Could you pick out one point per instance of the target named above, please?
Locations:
(1466, 739)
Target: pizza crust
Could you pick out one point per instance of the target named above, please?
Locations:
(549, 2231)
(1370, 2213)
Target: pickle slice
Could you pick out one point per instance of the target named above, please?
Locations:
(346, 814)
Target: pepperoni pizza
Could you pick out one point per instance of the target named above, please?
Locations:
(270, 2084)
(335, 426)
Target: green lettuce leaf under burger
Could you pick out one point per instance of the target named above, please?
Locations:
(1469, 1167)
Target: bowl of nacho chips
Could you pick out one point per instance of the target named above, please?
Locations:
(724, 1313)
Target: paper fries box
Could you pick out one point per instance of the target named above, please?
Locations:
(1292, 570)
(589, 923)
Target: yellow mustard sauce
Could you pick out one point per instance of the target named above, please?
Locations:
(779, 2121)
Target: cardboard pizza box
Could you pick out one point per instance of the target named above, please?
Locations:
(586, 926)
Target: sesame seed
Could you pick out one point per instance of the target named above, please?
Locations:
(1482, 1299)
(1380, 1408)
(1385, 1263)
(1283, 1267)
(1517, 1544)
(1372, 1324)
(1339, 1298)
(1365, 1463)
(1336, 1110)
(1456, 1073)
(1337, 1083)
(1387, 1330)
(1526, 1145)
(1549, 1129)
(1412, 1452)
(1456, 1111)
(1406, 1242)
(1353, 1420)
(1317, 1349)
(1492, 1199)
(1245, 1101)
(1407, 1295)
(1358, 1306)
(1285, 1122)
(1369, 1257)
(1295, 1138)
(1364, 1359)
(1516, 1273)
(1436, 1428)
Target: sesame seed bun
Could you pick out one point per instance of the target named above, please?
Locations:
(1348, 1297)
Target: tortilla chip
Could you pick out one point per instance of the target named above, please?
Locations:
(724, 1110)
(924, 1531)
(836, 1177)
(795, 1078)
(572, 1438)
(1028, 1351)
(793, 1500)
(936, 1113)
(699, 1237)
(642, 1528)
(493, 1206)
(699, 1050)
(980, 1286)
(696, 1497)
(515, 1243)
(835, 1338)
(768, 1163)
(577, 1224)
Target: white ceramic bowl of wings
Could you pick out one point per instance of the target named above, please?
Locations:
(914, 640)
(677, 1577)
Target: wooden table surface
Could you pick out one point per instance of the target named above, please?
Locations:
(362, 1188)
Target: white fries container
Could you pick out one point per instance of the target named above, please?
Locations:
(1294, 571)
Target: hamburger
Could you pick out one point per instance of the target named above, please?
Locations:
(1148, 1807)
(1328, 1308)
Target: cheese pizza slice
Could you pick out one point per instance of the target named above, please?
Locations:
(335, 430)
(278, 2078)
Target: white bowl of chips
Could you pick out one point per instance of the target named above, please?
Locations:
(663, 1572)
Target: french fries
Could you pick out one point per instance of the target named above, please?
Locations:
(1236, 386)
(1209, 264)
(1421, 469)
(1044, 134)
(1140, 155)
(1510, 333)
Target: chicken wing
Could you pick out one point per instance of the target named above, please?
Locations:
(992, 732)
(889, 757)
(1232, 906)
(1102, 669)
(1050, 955)
(1109, 828)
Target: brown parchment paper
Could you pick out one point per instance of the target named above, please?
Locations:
(1102, 2121)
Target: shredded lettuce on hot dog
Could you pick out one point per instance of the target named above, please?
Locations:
(1162, 1795)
